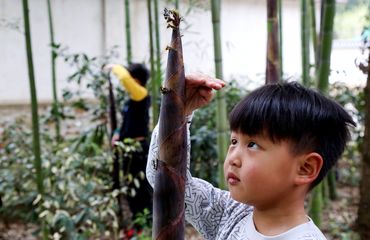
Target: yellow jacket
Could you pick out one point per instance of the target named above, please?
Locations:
(136, 91)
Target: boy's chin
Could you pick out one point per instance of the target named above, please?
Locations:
(239, 198)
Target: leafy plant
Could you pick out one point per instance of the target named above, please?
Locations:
(352, 98)
(78, 202)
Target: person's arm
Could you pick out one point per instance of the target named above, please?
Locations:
(136, 91)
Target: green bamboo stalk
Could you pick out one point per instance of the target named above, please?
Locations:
(312, 11)
(169, 190)
(53, 74)
(326, 45)
(323, 72)
(34, 109)
(305, 43)
(316, 204)
(324, 192)
(158, 71)
(272, 53)
(319, 38)
(332, 185)
(154, 84)
(177, 4)
(221, 119)
(280, 16)
(128, 32)
(34, 105)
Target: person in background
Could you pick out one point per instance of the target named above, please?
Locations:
(135, 125)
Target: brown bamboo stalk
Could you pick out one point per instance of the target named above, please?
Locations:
(169, 190)
(272, 53)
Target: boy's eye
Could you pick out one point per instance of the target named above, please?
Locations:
(233, 141)
(252, 145)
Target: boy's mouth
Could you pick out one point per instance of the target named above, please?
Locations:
(232, 179)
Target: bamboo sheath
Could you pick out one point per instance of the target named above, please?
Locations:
(169, 190)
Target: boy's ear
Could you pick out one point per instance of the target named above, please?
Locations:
(309, 167)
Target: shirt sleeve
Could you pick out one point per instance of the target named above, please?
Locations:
(207, 208)
(135, 90)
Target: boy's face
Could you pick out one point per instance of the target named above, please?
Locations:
(258, 171)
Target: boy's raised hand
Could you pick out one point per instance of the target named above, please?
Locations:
(199, 90)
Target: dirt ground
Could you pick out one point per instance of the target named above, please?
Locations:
(338, 217)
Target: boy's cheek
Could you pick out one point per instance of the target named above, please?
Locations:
(225, 168)
(250, 173)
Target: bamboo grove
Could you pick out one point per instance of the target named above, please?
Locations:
(172, 163)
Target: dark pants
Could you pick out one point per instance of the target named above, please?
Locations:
(144, 194)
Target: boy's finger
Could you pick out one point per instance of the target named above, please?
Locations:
(205, 80)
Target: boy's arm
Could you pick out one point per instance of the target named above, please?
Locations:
(207, 208)
(135, 90)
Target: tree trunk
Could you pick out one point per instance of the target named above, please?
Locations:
(34, 103)
(272, 58)
(128, 32)
(363, 219)
(154, 84)
(221, 115)
(305, 43)
(169, 190)
(55, 110)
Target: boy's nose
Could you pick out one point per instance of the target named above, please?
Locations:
(233, 159)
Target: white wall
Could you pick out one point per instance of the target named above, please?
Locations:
(91, 26)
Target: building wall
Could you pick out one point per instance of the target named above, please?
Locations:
(92, 26)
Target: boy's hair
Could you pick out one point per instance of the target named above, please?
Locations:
(303, 117)
(139, 72)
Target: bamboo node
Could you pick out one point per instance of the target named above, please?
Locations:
(165, 90)
(155, 164)
(171, 48)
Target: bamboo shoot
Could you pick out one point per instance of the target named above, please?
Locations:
(169, 190)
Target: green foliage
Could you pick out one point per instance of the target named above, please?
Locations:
(78, 202)
(17, 175)
(353, 100)
(144, 221)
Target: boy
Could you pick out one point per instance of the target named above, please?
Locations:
(284, 139)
